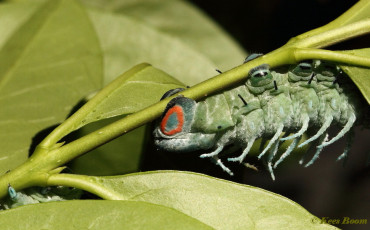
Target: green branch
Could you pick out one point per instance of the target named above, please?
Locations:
(86, 183)
(333, 56)
(334, 36)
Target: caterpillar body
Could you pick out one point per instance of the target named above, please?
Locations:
(307, 97)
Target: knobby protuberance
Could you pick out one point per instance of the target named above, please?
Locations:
(312, 95)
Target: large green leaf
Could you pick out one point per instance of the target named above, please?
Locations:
(12, 16)
(183, 22)
(126, 42)
(217, 203)
(97, 215)
(47, 65)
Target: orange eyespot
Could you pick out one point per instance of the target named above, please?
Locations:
(172, 121)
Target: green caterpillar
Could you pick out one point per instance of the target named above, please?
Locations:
(307, 97)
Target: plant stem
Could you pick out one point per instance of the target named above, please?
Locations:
(333, 56)
(333, 36)
(86, 183)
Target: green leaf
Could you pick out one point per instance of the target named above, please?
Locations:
(119, 156)
(127, 41)
(50, 61)
(215, 202)
(182, 21)
(134, 90)
(97, 215)
(12, 16)
(360, 76)
(358, 12)
(140, 43)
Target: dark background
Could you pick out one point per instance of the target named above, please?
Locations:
(326, 189)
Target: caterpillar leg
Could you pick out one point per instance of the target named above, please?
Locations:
(245, 152)
(273, 139)
(303, 158)
(345, 129)
(269, 166)
(272, 154)
(349, 142)
(322, 130)
(218, 162)
(273, 151)
(212, 154)
(305, 122)
(291, 147)
(323, 138)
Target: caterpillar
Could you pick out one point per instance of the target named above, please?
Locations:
(276, 105)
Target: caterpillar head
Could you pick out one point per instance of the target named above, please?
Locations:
(173, 132)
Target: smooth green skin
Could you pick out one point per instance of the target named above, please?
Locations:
(98, 214)
(50, 154)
